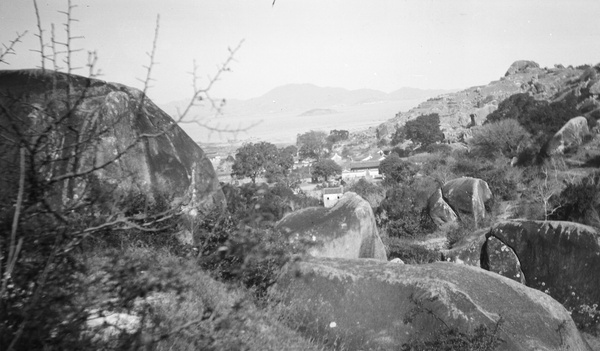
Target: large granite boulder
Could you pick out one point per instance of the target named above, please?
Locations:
(468, 195)
(372, 305)
(521, 66)
(439, 210)
(347, 230)
(559, 258)
(479, 249)
(570, 135)
(111, 135)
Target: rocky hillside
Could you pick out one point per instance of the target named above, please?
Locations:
(455, 109)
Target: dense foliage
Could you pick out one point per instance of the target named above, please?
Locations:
(395, 170)
(312, 145)
(336, 136)
(505, 137)
(424, 130)
(536, 116)
(403, 212)
(326, 168)
(579, 201)
(254, 160)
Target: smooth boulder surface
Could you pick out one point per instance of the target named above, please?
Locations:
(479, 249)
(104, 120)
(439, 211)
(468, 195)
(559, 258)
(355, 304)
(347, 230)
(570, 135)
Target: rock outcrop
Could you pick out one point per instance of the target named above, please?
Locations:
(110, 133)
(347, 230)
(439, 210)
(455, 109)
(465, 194)
(374, 305)
(559, 258)
(570, 135)
(521, 66)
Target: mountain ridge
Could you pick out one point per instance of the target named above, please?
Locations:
(304, 97)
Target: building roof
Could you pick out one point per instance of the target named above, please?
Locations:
(364, 165)
(336, 190)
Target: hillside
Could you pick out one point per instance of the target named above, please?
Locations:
(455, 109)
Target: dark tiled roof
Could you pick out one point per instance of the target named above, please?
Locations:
(364, 165)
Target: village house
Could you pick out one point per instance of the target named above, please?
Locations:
(357, 170)
(332, 195)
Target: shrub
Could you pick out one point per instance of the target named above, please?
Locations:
(505, 137)
(579, 202)
(403, 212)
(369, 191)
(395, 170)
(400, 151)
(537, 117)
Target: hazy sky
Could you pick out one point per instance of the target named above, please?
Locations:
(377, 44)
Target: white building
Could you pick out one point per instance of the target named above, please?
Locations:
(332, 195)
(359, 170)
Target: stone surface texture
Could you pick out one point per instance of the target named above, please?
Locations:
(570, 135)
(347, 230)
(559, 258)
(439, 211)
(468, 195)
(105, 120)
(372, 305)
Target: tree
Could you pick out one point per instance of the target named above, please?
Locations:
(326, 168)
(254, 160)
(336, 136)
(395, 170)
(279, 171)
(312, 144)
(399, 136)
(424, 129)
(506, 137)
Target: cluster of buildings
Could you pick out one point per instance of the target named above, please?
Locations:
(368, 168)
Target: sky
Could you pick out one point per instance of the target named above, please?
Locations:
(353, 44)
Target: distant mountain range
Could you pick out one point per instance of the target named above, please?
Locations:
(301, 98)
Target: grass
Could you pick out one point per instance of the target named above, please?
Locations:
(189, 309)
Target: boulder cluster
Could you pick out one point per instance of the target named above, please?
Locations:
(509, 280)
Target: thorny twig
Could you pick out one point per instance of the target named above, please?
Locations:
(40, 35)
(10, 48)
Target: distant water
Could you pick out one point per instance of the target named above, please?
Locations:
(282, 128)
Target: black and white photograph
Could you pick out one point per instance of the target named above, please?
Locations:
(327, 175)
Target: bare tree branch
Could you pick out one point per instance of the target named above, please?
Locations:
(40, 35)
(10, 49)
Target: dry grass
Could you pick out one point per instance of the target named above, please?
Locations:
(204, 315)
